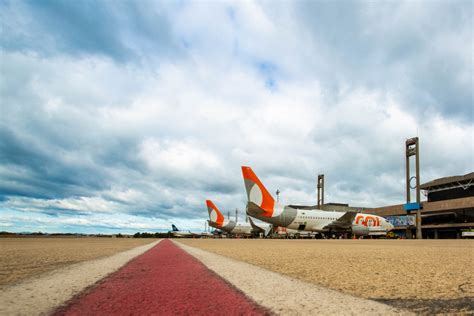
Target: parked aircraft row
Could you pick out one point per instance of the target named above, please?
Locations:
(217, 220)
(297, 218)
(294, 219)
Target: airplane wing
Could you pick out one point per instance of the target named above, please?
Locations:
(265, 230)
(194, 234)
(255, 227)
(343, 222)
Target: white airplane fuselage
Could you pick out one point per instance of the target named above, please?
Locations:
(318, 220)
(180, 234)
(231, 227)
(241, 229)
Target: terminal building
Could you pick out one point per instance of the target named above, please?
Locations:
(448, 211)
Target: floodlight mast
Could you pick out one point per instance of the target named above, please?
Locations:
(320, 187)
(412, 149)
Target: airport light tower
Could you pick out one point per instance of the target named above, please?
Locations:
(412, 149)
(320, 187)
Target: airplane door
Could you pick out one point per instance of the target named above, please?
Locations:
(302, 227)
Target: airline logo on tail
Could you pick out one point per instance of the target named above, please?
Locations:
(257, 193)
(214, 214)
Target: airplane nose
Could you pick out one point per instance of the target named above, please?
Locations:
(390, 226)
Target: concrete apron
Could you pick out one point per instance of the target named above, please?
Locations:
(284, 295)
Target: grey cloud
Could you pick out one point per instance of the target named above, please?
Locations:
(125, 31)
(38, 172)
(396, 47)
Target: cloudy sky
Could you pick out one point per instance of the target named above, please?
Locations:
(124, 116)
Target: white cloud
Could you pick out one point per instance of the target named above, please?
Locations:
(176, 157)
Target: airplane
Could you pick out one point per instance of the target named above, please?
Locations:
(217, 220)
(175, 232)
(262, 206)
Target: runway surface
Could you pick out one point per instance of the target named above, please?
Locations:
(283, 295)
(42, 294)
(165, 280)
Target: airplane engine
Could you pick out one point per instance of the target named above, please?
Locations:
(359, 230)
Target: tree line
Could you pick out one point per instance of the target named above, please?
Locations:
(151, 235)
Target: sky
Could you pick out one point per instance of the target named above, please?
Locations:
(125, 116)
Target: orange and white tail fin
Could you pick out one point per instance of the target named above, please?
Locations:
(214, 214)
(256, 192)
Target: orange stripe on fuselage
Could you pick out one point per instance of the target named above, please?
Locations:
(268, 202)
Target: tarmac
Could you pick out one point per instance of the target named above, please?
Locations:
(283, 295)
(170, 278)
(164, 281)
(42, 295)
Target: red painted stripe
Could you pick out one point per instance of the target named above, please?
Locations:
(165, 280)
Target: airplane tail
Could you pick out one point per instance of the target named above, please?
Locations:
(175, 229)
(257, 193)
(214, 214)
